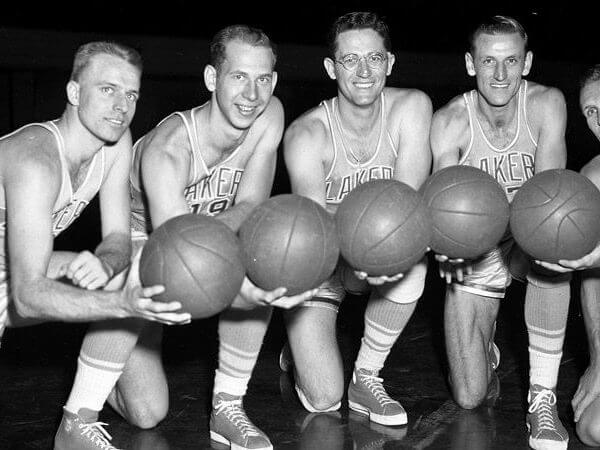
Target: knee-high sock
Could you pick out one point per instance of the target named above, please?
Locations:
(241, 334)
(102, 357)
(546, 311)
(384, 321)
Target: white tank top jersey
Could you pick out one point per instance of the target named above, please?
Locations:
(67, 207)
(209, 190)
(344, 174)
(512, 165)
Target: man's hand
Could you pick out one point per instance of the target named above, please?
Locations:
(252, 296)
(138, 300)
(589, 261)
(587, 391)
(88, 271)
(377, 281)
(450, 269)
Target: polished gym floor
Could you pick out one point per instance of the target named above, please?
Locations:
(37, 367)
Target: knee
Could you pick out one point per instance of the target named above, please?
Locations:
(143, 412)
(321, 400)
(468, 396)
(588, 430)
(147, 416)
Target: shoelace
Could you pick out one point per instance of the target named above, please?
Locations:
(542, 405)
(96, 432)
(234, 413)
(373, 383)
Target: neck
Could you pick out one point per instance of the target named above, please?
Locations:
(497, 116)
(80, 144)
(359, 120)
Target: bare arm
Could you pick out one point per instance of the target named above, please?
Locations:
(449, 130)
(115, 249)
(304, 142)
(257, 181)
(414, 153)
(550, 107)
(31, 190)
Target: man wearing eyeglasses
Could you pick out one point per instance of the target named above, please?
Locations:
(366, 132)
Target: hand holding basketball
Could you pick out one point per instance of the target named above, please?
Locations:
(198, 260)
(383, 228)
(555, 216)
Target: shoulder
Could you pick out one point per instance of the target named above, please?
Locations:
(453, 115)
(592, 170)
(407, 101)
(167, 138)
(540, 97)
(271, 119)
(31, 154)
(311, 127)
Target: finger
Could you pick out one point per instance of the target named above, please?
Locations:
(149, 305)
(151, 291)
(270, 296)
(288, 302)
(581, 406)
(171, 318)
(459, 274)
(441, 258)
(89, 278)
(469, 269)
(78, 262)
(448, 278)
(97, 283)
(456, 261)
(361, 275)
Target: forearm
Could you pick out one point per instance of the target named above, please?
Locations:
(235, 216)
(47, 299)
(115, 252)
(590, 304)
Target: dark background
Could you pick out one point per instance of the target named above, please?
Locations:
(37, 42)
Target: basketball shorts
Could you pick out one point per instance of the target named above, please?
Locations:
(493, 272)
(331, 293)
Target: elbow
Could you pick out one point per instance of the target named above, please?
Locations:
(23, 308)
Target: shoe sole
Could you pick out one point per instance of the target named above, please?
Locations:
(214, 436)
(546, 444)
(398, 419)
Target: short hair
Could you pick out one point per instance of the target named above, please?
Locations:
(497, 25)
(360, 20)
(244, 33)
(87, 51)
(590, 75)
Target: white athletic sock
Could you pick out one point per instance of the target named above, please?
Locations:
(230, 385)
(92, 385)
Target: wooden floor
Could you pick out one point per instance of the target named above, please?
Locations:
(37, 367)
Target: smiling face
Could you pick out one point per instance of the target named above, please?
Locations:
(498, 63)
(105, 96)
(589, 101)
(243, 84)
(362, 84)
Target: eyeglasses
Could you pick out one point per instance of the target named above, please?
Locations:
(374, 60)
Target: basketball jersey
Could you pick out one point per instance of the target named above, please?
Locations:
(67, 206)
(208, 191)
(512, 165)
(344, 175)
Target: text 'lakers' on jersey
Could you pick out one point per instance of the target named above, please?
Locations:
(348, 171)
(512, 165)
(208, 191)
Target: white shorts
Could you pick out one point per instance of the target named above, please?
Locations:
(331, 293)
(493, 272)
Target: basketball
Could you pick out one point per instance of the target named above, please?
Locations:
(289, 241)
(198, 261)
(468, 209)
(556, 215)
(383, 227)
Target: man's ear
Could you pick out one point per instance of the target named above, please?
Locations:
(210, 77)
(329, 67)
(470, 64)
(528, 63)
(73, 93)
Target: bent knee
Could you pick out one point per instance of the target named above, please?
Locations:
(321, 401)
(469, 397)
(588, 430)
(146, 417)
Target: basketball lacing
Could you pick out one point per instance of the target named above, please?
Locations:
(95, 432)
(373, 383)
(541, 405)
(236, 415)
